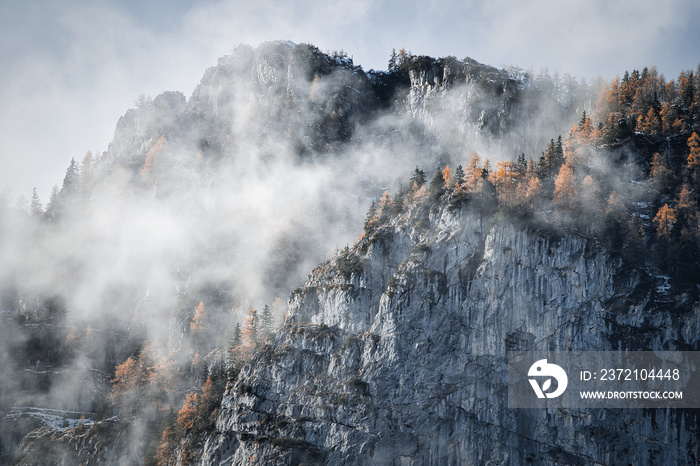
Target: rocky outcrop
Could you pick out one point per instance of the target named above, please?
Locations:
(252, 97)
(481, 98)
(106, 442)
(139, 128)
(394, 353)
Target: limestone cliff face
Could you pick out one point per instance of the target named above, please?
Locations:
(394, 353)
(474, 97)
(253, 97)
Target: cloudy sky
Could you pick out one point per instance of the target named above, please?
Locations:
(70, 68)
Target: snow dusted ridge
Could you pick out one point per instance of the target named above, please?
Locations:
(57, 419)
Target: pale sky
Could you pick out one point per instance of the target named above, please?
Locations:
(70, 68)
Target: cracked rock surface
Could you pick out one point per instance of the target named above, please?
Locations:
(403, 360)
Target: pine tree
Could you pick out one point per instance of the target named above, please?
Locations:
(399, 201)
(370, 220)
(521, 166)
(404, 58)
(249, 335)
(53, 207)
(267, 324)
(71, 180)
(583, 121)
(458, 177)
(234, 348)
(393, 65)
(559, 150)
(687, 89)
(436, 185)
(35, 207)
(552, 158)
(418, 179)
(236, 339)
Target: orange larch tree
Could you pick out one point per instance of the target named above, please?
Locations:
(693, 161)
(565, 189)
(665, 220)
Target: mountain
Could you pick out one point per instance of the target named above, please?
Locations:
(403, 359)
(159, 309)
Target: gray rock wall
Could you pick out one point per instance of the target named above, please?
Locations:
(404, 363)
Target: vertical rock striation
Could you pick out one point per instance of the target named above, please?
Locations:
(400, 359)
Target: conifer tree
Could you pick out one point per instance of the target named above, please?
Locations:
(267, 324)
(659, 173)
(418, 179)
(393, 65)
(584, 120)
(53, 207)
(552, 158)
(649, 122)
(486, 169)
(399, 200)
(199, 320)
(370, 220)
(688, 216)
(693, 161)
(665, 220)
(447, 178)
(559, 150)
(458, 177)
(473, 178)
(503, 179)
(35, 207)
(385, 206)
(249, 334)
(533, 191)
(565, 189)
(521, 165)
(236, 339)
(71, 180)
(436, 185)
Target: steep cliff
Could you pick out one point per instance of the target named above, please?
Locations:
(394, 353)
(249, 100)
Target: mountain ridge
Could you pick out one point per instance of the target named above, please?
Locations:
(145, 296)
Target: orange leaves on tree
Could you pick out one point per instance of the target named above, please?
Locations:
(504, 178)
(664, 221)
(694, 151)
(565, 188)
(447, 177)
(199, 319)
(187, 416)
